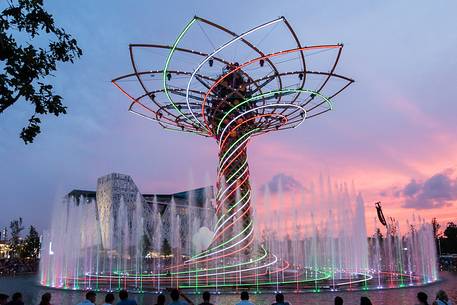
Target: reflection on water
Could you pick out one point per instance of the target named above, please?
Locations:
(32, 292)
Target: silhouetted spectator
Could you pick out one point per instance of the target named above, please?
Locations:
(280, 299)
(206, 297)
(90, 298)
(422, 298)
(338, 300)
(109, 299)
(365, 301)
(46, 299)
(124, 296)
(3, 298)
(174, 295)
(16, 299)
(160, 299)
(244, 296)
(442, 298)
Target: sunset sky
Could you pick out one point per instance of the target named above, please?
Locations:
(393, 133)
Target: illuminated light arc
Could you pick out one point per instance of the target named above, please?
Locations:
(227, 44)
(257, 108)
(210, 90)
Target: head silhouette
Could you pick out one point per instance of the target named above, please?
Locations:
(17, 296)
(206, 296)
(441, 295)
(123, 294)
(244, 296)
(338, 300)
(45, 299)
(279, 298)
(161, 299)
(109, 298)
(91, 296)
(174, 294)
(422, 297)
(365, 301)
(3, 298)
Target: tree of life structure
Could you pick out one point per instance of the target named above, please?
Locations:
(232, 93)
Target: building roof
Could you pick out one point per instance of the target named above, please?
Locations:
(182, 198)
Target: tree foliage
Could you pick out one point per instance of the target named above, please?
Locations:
(15, 241)
(31, 248)
(436, 228)
(448, 240)
(31, 45)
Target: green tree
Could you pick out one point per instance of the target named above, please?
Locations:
(31, 45)
(15, 241)
(32, 244)
(436, 234)
(449, 243)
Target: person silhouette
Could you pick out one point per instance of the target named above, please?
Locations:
(244, 296)
(442, 298)
(91, 296)
(109, 299)
(124, 296)
(160, 299)
(338, 300)
(3, 298)
(46, 299)
(206, 296)
(280, 299)
(365, 301)
(422, 298)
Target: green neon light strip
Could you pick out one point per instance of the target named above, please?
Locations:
(266, 94)
(233, 271)
(231, 177)
(326, 276)
(218, 227)
(231, 184)
(167, 63)
(228, 266)
(246, 135)
(265, 253)
(232, 207)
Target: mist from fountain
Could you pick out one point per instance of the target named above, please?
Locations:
(316, 236)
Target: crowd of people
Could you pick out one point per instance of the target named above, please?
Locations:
(179, 298)
(13, 266)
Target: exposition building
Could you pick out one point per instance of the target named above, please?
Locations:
(117, 190)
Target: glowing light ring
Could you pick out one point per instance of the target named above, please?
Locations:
(260, 107)
(253, 61)
(272, 93)
(227, 44)
(223, 140)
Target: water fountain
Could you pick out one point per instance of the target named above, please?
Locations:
(318, 237)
